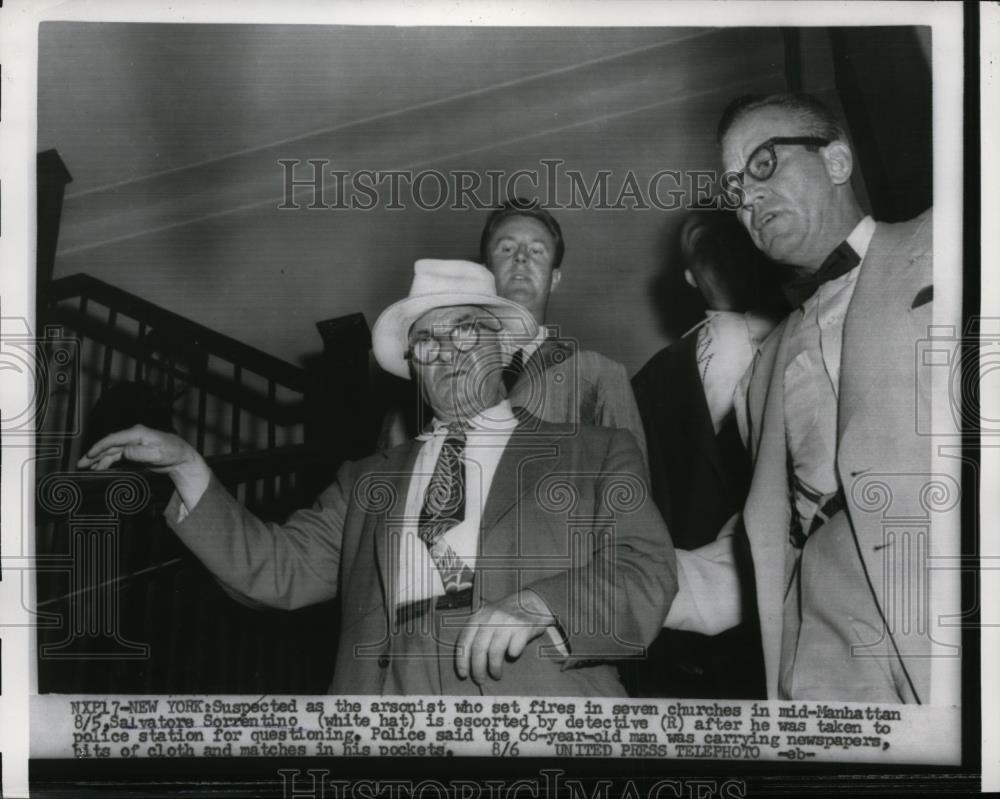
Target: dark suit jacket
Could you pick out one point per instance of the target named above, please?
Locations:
(699, 479)
(567, 516)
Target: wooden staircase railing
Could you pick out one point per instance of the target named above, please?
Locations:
(122, 605)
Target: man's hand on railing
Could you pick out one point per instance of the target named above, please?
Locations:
(161, 452)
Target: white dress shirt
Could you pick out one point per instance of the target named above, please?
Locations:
(812, 382)
(724, 350)
(530, 348)
(486, 438)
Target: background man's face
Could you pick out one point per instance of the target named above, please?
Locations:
(520, 257)
(458, 385)
(718, 272)
(787, 215)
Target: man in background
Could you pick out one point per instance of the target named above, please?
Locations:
(552, 377)
(699, 468)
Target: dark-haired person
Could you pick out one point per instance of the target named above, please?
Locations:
(551, 376)
(831, 402)
(699, 467)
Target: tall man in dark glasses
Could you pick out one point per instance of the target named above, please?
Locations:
(494, 554)
(831, 414)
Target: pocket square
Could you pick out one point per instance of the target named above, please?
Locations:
(924, 296)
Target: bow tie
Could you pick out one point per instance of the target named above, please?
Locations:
(839, 262)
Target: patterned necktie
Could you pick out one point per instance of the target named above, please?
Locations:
(512, 371)
(841, 261)
(444, 507)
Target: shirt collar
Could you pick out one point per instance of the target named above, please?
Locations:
(758, 325)
(801, 291)
(497, 419)
(532, 346)
(861, 236)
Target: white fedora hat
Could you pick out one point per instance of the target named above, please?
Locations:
(438, 284)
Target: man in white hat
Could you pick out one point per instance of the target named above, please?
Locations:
(550, 376)
(520, 554)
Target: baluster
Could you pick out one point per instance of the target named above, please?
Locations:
(151, 634)
(272, 441)
(139, 373)
(202, 419)
(244, 664)
(238, 381)
(171, 667)
(68, 447)
(108, 352)
(259, 652)
(170, 365)
(272, 399)
(283, 486)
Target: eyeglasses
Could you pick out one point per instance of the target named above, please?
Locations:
(463, 336)
(762, 163)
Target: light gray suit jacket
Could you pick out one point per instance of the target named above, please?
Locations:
(563, 383)
(883, 462)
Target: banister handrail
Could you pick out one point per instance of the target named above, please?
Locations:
(285, 412)
(256, 464)
(230, 468)
(232, 350)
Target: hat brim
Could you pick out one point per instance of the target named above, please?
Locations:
(390, 335)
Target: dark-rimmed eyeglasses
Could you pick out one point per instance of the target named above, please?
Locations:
(762, 163)
(463, 337)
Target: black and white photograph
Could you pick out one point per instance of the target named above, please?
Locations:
(592, 394)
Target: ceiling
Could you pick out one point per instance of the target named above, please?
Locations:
(125, 101)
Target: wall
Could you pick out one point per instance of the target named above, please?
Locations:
(174, 134)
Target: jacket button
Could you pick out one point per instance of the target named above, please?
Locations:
(383, 661)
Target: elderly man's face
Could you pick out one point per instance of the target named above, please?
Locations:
(519, 255)
(788, 215)
(457, 360)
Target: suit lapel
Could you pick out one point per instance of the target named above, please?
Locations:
(549, 353)
(859, 336)
(385, 524)
(503, 496)
(881, 292)
(698, 427)
(872, 348)
(767, 511)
